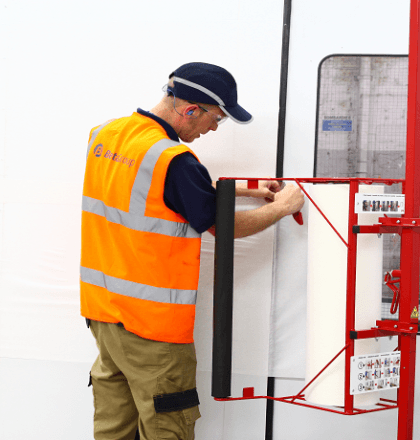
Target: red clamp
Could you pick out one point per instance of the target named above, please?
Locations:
(396, 274)
(298, 217)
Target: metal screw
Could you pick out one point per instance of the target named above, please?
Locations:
(413, 222)
(411, 328)
(395, 326)
(398, 221)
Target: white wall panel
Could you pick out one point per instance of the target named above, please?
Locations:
(67, 67)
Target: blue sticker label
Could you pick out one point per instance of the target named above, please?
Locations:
(337, 125)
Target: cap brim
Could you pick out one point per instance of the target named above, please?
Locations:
(238, 114)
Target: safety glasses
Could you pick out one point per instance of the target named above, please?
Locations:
(217, 118)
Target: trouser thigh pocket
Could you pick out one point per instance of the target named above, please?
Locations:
(191, 415)
(176, 414)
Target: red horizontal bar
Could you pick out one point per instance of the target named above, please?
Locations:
(321, 179)
(400, 222)
(373, 333)
(389, 227)
(386, 328)
(397, 326)
(292, 400)
(378, 229)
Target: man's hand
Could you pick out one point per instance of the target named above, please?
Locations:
(290, 198)
(269, 188)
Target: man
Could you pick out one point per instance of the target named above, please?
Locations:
(146, 201)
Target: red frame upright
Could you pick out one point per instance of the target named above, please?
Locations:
(410, 239)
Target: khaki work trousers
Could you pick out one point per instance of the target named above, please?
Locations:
(128, 373)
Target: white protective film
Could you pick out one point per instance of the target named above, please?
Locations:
(253, 255)
(288, 307)
(327, 292)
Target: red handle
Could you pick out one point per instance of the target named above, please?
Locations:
(298, 217)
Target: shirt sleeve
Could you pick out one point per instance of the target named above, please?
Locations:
(189, 192)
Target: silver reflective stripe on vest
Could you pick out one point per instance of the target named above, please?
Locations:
(137, 290)
(137, 222)
(144, 176)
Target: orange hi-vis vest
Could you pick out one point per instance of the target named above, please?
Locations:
(140, 260)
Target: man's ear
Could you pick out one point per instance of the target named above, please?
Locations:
(191, 111)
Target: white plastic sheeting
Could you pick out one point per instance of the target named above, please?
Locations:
(252, 296)
(288, 308)
(327, 292)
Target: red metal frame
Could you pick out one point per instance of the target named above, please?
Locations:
(299, 399)
(405, 329)
(410, 243)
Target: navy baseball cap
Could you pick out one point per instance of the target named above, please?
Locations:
(209, 84)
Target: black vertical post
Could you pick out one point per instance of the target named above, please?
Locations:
(223, 289)
(287, 14)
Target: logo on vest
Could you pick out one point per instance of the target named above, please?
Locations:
(119, 158)
(97, 151)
